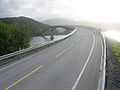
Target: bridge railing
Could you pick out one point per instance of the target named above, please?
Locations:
(34, 47)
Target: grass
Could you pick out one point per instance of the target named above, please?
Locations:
(116, 48)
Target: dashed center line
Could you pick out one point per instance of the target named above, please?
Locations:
(39, 67)
(65, 50)
(23, 77)
(78, 40)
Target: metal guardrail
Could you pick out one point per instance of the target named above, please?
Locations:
(34, 47)
(103, 73)
(104, 65)
(102, 84)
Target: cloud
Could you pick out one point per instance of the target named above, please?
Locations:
(10, 7)
(93, 10)
(38, 9)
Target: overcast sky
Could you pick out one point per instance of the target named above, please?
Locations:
(91, 10)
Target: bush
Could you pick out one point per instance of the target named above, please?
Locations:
(13, 37)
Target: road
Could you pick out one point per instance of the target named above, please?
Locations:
(72, 64)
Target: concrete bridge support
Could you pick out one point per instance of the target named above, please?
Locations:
(51, 34)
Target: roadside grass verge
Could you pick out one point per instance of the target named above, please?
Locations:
(116, 48)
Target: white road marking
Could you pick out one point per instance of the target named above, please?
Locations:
(17, 62)
(23, 60)
(83, 69)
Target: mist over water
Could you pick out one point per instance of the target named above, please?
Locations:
(113, 34)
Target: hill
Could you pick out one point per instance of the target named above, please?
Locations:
(59, 21)
(63, 21)
(103, 25)
(35, 27)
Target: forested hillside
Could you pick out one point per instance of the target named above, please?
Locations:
(35, 27)
(13, 37)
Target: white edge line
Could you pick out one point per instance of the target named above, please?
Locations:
(17, 62)
(81, 73)
(31, 55)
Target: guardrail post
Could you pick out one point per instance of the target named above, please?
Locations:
(19, 53)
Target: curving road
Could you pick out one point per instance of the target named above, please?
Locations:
(72, 64)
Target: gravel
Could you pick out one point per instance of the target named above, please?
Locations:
(113, 69)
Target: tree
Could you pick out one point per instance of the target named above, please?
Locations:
(13, 37)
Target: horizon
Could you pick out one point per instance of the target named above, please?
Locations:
(77, 20)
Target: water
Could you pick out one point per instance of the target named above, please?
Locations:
(39, 40)
(113, 34)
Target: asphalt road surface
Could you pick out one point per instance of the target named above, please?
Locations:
(72, 64)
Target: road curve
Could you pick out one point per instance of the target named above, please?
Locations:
(72, 64)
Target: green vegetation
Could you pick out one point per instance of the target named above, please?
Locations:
(116, 48)
(13, 37)
(16, 32)
(34, 27)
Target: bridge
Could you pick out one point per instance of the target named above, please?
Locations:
(76, 63)
(53, 28)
